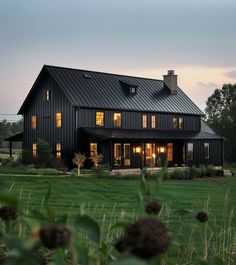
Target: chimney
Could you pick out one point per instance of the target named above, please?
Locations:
(170, 81)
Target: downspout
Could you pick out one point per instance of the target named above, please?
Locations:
(76, 129)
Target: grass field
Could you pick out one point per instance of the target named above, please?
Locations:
(110, 200)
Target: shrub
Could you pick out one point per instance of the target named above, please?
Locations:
(13, 163)
(203, 171)
(6, 161)
(43, 171)
(211, 171)
(44, 153)
(26, 157)
(180, 174)
(194, 172)
(59, 164)
(99, 172)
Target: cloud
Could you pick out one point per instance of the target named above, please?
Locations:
(207, 85)
(231, 74)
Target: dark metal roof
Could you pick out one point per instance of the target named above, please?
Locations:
(106, 134)
(15, 138)
(206, 128)
(103, 90)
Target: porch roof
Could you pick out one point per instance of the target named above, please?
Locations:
(18, 137)
(105, 134)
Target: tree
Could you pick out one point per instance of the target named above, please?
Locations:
(96, 158)
(44, 153)
(79, 160)
(221, 116)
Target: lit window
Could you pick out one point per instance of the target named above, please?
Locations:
(58, 119)
(170, 152)
(99, 118)
(47, 95)
(117, 154)
(144, 121)
(117, 119)
(34, 150)
(190, 151)
(153, 121)
(175, 123)
(93, 149)
(132, 90)
(181, 122)
(206, 151)
(34, 122)
(58, 150)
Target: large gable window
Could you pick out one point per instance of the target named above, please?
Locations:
(99, 118)
(34, 122)
(117, 119)
(58, 119)
(144, 121)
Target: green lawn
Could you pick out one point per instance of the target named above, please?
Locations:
(109, 200)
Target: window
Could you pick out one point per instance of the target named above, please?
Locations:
(178, 123)
(47, 95)
(132, 90)
(170, 152)
(206, 151)
(153, 121)
(34, 150)
(117, 119)
(144, 117)
(58, 119)
(190, 151)
(117, 154)
(99, 118)
(93, 149)
(58, 150)
(34, 122)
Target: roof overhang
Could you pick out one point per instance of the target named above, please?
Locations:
(15, 138)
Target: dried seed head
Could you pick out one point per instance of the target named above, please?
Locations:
(8, 213)
(53, 237)
(146, 238)
(202, 217)
(153, 208)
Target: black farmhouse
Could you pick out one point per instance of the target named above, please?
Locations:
(133, 122)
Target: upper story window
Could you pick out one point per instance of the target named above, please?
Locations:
(132, 90)
(47, 95)
(34, 150)
(117, 119)
(58, 150)
(153, 121)
(144, 121)
(93, 149)
(190, 151)
(99, 118)
(206, 150)
(178, 122)
(34, 122)
(58, 119)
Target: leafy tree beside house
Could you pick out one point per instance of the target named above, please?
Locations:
(221, 116)
(44, 153)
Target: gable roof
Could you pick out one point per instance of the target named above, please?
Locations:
(104, 90)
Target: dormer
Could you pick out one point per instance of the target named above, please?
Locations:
(129, 88)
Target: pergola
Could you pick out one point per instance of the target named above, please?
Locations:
(14, 138)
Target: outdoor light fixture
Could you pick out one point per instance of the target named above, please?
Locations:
(138, 149)
(162, 149)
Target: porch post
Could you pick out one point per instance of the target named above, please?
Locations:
(10, 148)
(142, 155)
(111, 154)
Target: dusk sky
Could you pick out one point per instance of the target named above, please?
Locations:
(143, 38)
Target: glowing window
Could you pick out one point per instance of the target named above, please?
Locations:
(93, 149)
(153, 121)
(175, 123)
(117, 119)
(206, 151)
(34, 150)
(99, 118)
(170, 152)
(47, 95)
(34, 122)
(144, 120)
(190, 151)
(58, 119)
(58, 150)
(181, 122)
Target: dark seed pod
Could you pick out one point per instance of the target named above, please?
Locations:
(8, 213)
(53, 237)
(2, 258)
(202, 217)
(146, 238)
(153, 208)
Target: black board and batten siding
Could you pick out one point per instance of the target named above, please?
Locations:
(46, 120)
(133, 119)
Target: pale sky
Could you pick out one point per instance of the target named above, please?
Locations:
(143, 38)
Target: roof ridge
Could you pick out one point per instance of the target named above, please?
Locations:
(99, 72)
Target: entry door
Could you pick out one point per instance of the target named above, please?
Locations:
(117, 155)
(126, 154)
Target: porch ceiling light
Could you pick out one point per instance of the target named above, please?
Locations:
(162, 149)
(138, 149)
